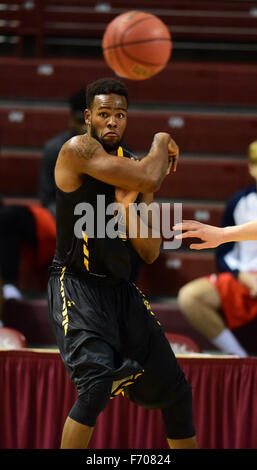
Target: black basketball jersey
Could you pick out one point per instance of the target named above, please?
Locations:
(90, 251)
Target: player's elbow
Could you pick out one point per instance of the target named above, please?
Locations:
(150, 254)
(150, 257)
(150, 184)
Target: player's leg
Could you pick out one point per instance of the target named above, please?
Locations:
(75, 435)
(189, 443)
(163, 385)
(200, 302)
(178, 422)
(82, 417)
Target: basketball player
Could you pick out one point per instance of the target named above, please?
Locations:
(109, 339)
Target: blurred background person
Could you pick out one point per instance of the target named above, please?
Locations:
(220, 303)
(31, 228)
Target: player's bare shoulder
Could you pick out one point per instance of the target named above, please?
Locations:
(82, 147)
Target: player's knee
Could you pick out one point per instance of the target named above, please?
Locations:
(178, 417)
(90, 403)
(187, 299)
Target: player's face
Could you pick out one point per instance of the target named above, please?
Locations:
(107, 120)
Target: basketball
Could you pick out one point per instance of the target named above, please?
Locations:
(136, 45)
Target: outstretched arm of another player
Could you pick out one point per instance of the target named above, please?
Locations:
(214, 236)
(85, 155)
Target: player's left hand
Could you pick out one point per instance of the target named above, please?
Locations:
(125, 196)
(173, 152)
(209, 234)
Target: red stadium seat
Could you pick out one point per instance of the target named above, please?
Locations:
(194, 179)
(30, 317)
(11, 338)
(182, 344)
(19, 173)
(172, 270)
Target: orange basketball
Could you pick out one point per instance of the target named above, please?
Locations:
(136, 45)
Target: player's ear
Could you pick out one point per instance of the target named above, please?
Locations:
(87, 115)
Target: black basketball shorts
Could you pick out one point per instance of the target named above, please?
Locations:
(108, 332)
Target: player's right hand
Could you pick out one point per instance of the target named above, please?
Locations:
(173, 152)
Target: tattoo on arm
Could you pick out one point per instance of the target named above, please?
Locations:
(87, 148)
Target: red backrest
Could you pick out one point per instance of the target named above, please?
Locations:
(11, 338)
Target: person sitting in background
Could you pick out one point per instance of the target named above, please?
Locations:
(35, 226)
(218, 304)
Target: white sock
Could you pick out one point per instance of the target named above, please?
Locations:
(228, 343)
(11, 292)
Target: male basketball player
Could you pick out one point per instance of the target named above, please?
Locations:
(109, 339)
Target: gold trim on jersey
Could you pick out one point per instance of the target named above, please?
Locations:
(120, 385)
(64, 303)
(86, 251)
(120, 152)
(146, 303)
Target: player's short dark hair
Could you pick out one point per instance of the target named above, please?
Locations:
(105, 86)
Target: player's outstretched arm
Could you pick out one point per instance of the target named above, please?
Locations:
(85, 155)
(214, 236)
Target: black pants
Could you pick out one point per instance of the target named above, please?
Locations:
(17, 226)
(106, 333)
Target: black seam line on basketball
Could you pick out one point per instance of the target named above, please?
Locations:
(140, 61)
(141, 20)
(135, 59)
(120, 62)
(133, 43)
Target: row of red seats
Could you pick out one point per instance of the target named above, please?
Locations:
(210, 212)
(31, 318)
(195, 131)
(45, 18)
(180, 83)
(164, 277)
(218, 5)
(195, 178)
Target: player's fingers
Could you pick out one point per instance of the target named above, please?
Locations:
(169, 168)
(199, 246)
(188, 234)
(186, 225)
(174, 162)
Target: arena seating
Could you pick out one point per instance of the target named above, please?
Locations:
(195, 131)
(208, 105)
(31, 318)
(185, 24)
(195, 178)
(233, 22)
(217, 83)
(172, 270)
